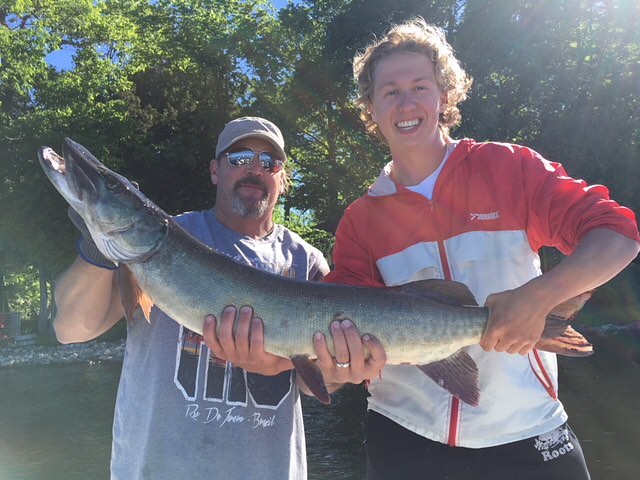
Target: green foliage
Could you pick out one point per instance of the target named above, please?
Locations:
(335, 161)
(151, 86)
(303, 224)
(23, 295)
(562, 77)
(153, 83)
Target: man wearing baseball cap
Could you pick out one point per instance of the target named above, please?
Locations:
(224, 409)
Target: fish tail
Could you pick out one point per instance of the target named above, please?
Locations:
(559, 336)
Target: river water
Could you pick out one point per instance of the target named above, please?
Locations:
(55, 421)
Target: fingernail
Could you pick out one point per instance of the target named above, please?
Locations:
(318, 336)
(366, 337)
(335, 325)
(245, 309)
(208, 320)
(229, 308)
(347, 323)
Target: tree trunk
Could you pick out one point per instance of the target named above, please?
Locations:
(287, 209)
(44, 325)
(4, 301)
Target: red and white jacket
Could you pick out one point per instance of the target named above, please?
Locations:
(493, 207)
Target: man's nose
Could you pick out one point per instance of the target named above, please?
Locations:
(406, 101)
(255, 166)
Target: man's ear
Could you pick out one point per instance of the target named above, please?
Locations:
(371, 112)
(213, 170)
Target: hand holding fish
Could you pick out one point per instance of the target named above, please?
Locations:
(245, 348)
(350, 364)
(516, 320)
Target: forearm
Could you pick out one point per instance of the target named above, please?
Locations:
(517, 317)
(601, 255)
(88, 303)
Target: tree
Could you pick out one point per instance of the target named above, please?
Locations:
(334, 159)
(561, 76)
(151, 86)
(153, 83)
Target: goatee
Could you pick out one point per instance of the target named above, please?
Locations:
(250, 207)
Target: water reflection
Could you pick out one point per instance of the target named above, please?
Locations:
(55, 421)
(601, 395)
(335, 435)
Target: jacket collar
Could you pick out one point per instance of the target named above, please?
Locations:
(384, 184)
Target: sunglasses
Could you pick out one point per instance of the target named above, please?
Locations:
(238, 157)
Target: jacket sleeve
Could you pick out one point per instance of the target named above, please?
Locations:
(353, 264)
(561, 209)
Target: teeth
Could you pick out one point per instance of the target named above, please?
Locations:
(408, 124)
(56, 161)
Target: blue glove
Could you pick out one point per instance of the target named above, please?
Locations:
(86, 247)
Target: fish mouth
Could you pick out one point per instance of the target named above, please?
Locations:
(52, 160)
(125, 225)
(74, 173)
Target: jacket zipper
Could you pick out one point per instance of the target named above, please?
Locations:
(454, 419)
(452, 441)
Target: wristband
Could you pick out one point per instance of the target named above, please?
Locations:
(88, 252)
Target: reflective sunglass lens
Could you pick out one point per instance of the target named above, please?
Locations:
(269, 163)
(245, 157)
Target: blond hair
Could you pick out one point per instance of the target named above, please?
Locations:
(414, 36)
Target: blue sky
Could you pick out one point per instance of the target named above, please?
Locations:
(63, 59)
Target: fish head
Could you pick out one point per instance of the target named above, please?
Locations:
(125, 225)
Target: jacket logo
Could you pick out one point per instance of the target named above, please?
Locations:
(485, 216)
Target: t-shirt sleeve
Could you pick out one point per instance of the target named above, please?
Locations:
(319, 267)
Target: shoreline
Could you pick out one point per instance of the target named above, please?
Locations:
(90, 352)
(96, 352)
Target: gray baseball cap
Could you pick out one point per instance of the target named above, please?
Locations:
(244, 127)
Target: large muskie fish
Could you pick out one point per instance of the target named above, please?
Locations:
(426, 323)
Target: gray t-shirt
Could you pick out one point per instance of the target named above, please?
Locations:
(181, 416)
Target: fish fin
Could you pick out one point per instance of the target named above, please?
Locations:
(458, 374)
(132, 295)
(312, 377)
(446, 292)
(569, 343)
(558, 336)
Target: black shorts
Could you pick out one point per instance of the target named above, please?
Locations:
(395, 453)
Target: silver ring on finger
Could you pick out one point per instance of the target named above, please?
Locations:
(343, 364)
